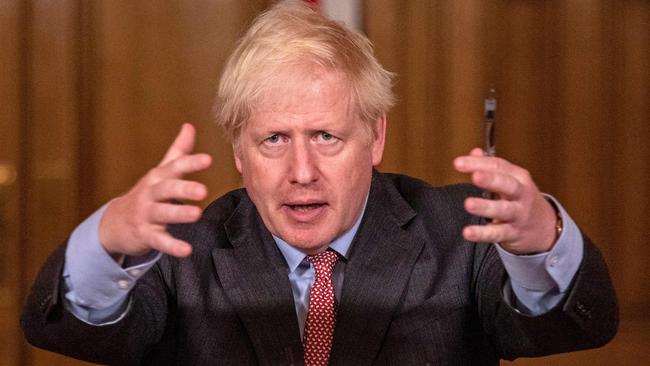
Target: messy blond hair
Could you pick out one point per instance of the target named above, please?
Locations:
(291, 35)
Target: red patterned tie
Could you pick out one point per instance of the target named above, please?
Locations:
(319, 329)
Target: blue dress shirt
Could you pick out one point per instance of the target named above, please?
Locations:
(97, 287)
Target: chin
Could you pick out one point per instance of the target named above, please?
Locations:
(308, 243)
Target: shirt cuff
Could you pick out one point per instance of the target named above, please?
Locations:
(553, 269)
(98, 317)
(93, 278)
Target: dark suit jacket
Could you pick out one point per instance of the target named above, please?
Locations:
(414, 293)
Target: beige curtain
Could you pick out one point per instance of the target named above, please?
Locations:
(93, 92)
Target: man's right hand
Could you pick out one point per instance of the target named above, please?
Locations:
(135, 224)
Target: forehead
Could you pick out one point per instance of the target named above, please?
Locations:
(305, 90)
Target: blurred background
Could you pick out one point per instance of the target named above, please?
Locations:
(92, 93)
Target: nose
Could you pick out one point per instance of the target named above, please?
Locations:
(303, 164)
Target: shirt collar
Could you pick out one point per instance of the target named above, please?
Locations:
(294, 256)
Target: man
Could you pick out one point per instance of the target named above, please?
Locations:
(320, 259)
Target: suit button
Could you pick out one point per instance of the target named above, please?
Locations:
(583, 310)
(43, 304)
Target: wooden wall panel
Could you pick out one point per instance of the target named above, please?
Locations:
(629, 127)
(51, 148)
(158, 67)
(582, 134)
(527, 110)
(386, 21)
(10, 90)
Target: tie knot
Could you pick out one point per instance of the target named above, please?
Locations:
(323, 262)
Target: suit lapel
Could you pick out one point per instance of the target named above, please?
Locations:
(381, 259)
(254, 276)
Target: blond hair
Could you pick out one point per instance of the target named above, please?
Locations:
(286, 37)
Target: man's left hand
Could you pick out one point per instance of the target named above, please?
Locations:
(523, 221)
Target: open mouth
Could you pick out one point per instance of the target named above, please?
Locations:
(305, 212)
(307, 207)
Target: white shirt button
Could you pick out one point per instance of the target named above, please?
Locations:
(123, 284)
(135, 272)
(554, 260)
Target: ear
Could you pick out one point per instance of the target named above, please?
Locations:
(378, 139)
(237, 154)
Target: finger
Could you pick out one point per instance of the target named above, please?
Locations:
(182, 145)
(169, 213)
(184, 165)
(501, 210)
(176, 189)
(471, 163)
(491, 233)
(477, 152)
(505, 185)
(163, 242)
(474, 152)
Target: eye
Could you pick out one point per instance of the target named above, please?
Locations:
(273, 139)
(326, 137)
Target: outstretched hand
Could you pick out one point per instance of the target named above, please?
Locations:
(523, 221)
(135, 224)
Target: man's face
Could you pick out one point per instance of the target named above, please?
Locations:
(306, 160)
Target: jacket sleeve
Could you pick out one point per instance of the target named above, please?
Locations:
(48, 324)
(587, 317)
